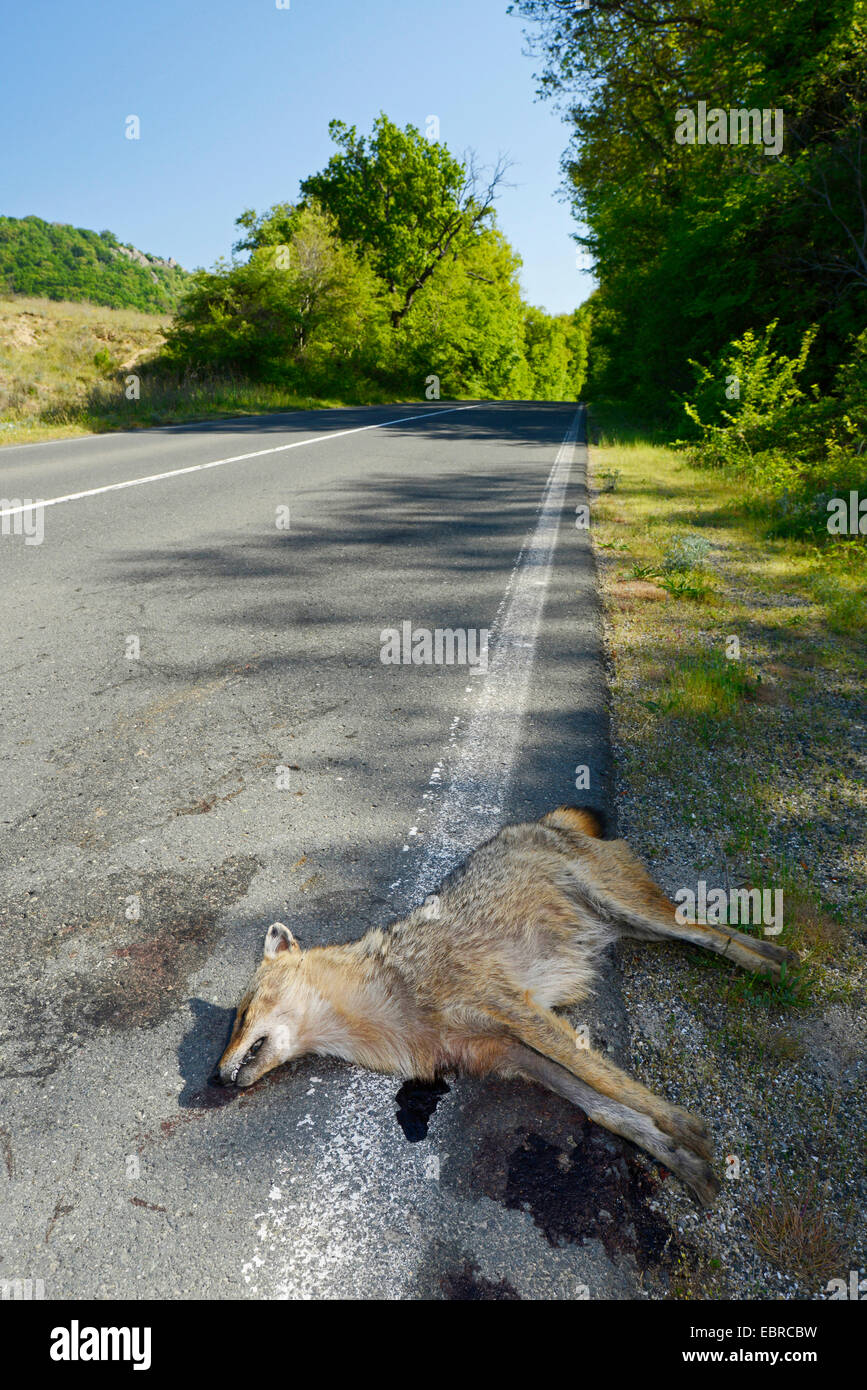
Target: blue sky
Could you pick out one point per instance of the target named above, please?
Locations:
(234, 99)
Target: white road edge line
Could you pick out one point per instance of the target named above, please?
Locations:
(331, 1232)
(236, 458)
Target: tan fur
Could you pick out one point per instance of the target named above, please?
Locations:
(467, 982)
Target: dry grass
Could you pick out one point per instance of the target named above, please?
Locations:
(53, 354)
(796, 1234)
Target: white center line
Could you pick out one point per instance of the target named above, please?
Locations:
(357, 1223)
(220, 463)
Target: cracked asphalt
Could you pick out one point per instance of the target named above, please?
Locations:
(199, 737)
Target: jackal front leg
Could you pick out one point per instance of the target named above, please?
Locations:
(545, 1048)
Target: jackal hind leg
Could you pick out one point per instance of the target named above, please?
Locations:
(749, 952)
(638, 1126)
(645, 912)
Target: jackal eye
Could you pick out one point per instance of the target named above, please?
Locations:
(251, 1051)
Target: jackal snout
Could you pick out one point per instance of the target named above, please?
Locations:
(265, 1032)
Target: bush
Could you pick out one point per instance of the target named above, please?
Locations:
(750, 399)
(308, 312)
(794, 449)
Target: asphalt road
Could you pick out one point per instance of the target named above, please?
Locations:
(170, 645)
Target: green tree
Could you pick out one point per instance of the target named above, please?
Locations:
(406, 200)
(467, 326)
(274, 227)
(696, 244)
(309, 309)
(387, 273)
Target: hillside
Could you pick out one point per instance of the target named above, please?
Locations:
(53, 260)
(53, 356)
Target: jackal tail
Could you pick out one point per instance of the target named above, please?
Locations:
(577, 820)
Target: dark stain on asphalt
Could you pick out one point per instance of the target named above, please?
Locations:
(531, 1151)
(449, 1271)
(464, 1283)
(207, 803)
(175, 935)
(417, 1101)
(592, 1189)
(61, 1209)
(78, 965)
(8, 1156)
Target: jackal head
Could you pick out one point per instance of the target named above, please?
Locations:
(268, 1020)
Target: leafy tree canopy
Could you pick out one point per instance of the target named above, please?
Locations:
(695, 244)
(405, 199)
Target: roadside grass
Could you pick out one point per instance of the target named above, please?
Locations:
(697, 1278)
(167, 399)
(704, 690)
(64, 369)
(742, 761)
(692, 689)
(832, 575)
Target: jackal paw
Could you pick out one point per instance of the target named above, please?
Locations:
(698, 1176)
(689, 1130)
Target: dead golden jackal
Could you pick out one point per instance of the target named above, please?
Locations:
(467, 982)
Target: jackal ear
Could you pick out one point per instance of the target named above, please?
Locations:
(279, 938)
